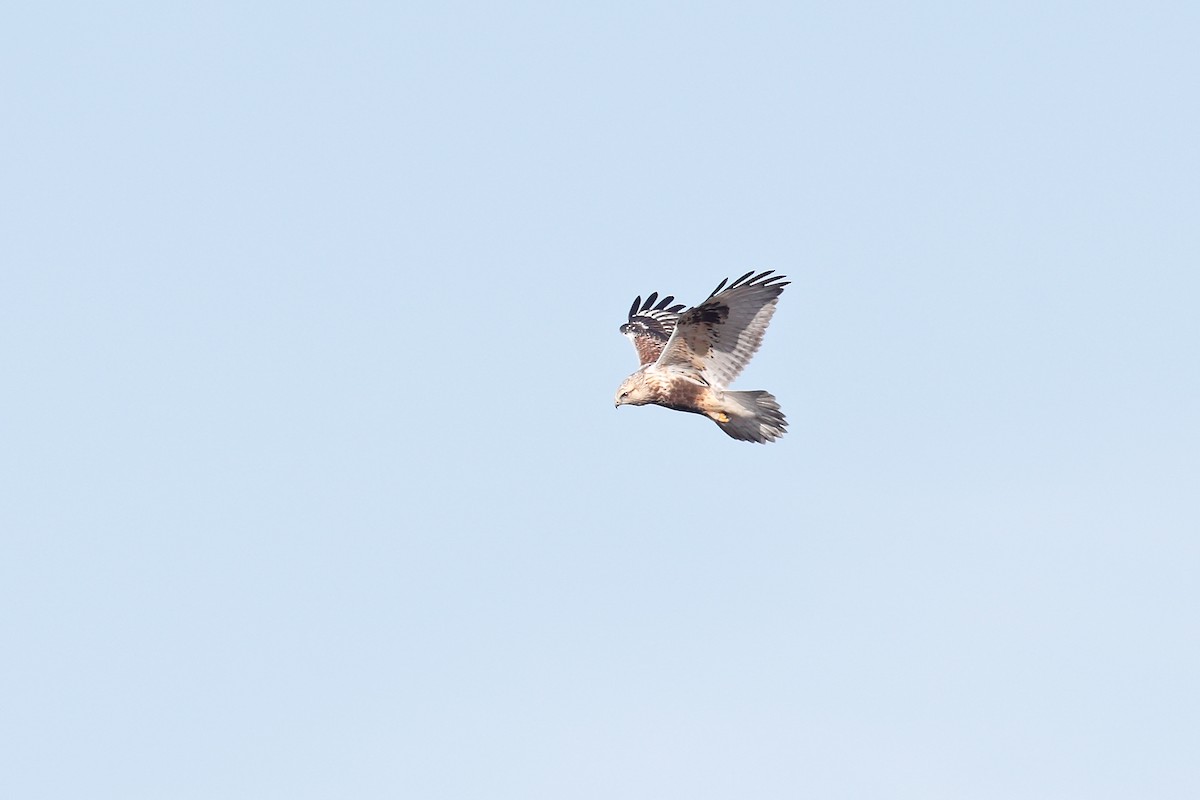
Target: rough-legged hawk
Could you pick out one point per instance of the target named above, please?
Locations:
(689, 357)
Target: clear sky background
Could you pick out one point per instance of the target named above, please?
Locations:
(311, 481)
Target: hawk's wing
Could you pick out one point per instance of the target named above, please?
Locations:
(717, 338)
(650, 326)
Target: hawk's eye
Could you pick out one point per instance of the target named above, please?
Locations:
(624, 395)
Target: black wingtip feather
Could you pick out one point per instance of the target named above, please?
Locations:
(653, 303)
(634, 308)
(767, 278)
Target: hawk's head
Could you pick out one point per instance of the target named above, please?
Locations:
(634, 391)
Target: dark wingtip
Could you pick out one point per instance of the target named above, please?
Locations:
(775, 281)
(765, 278)
(739, 280)
(733, 285)
(654, 303)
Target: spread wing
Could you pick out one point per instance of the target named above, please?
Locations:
(650, 326)
(717, 338)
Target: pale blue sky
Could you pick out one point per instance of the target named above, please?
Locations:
(312, 484)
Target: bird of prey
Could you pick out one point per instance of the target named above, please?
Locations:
(688, 358)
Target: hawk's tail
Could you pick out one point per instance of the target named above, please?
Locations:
(753, 417)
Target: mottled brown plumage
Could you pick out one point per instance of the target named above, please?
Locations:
(687, 359)
(650, 326)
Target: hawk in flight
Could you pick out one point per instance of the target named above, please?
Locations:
(688, 358)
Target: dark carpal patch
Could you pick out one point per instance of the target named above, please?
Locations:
(710, 314)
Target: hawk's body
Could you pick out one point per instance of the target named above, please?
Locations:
(689, 357)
